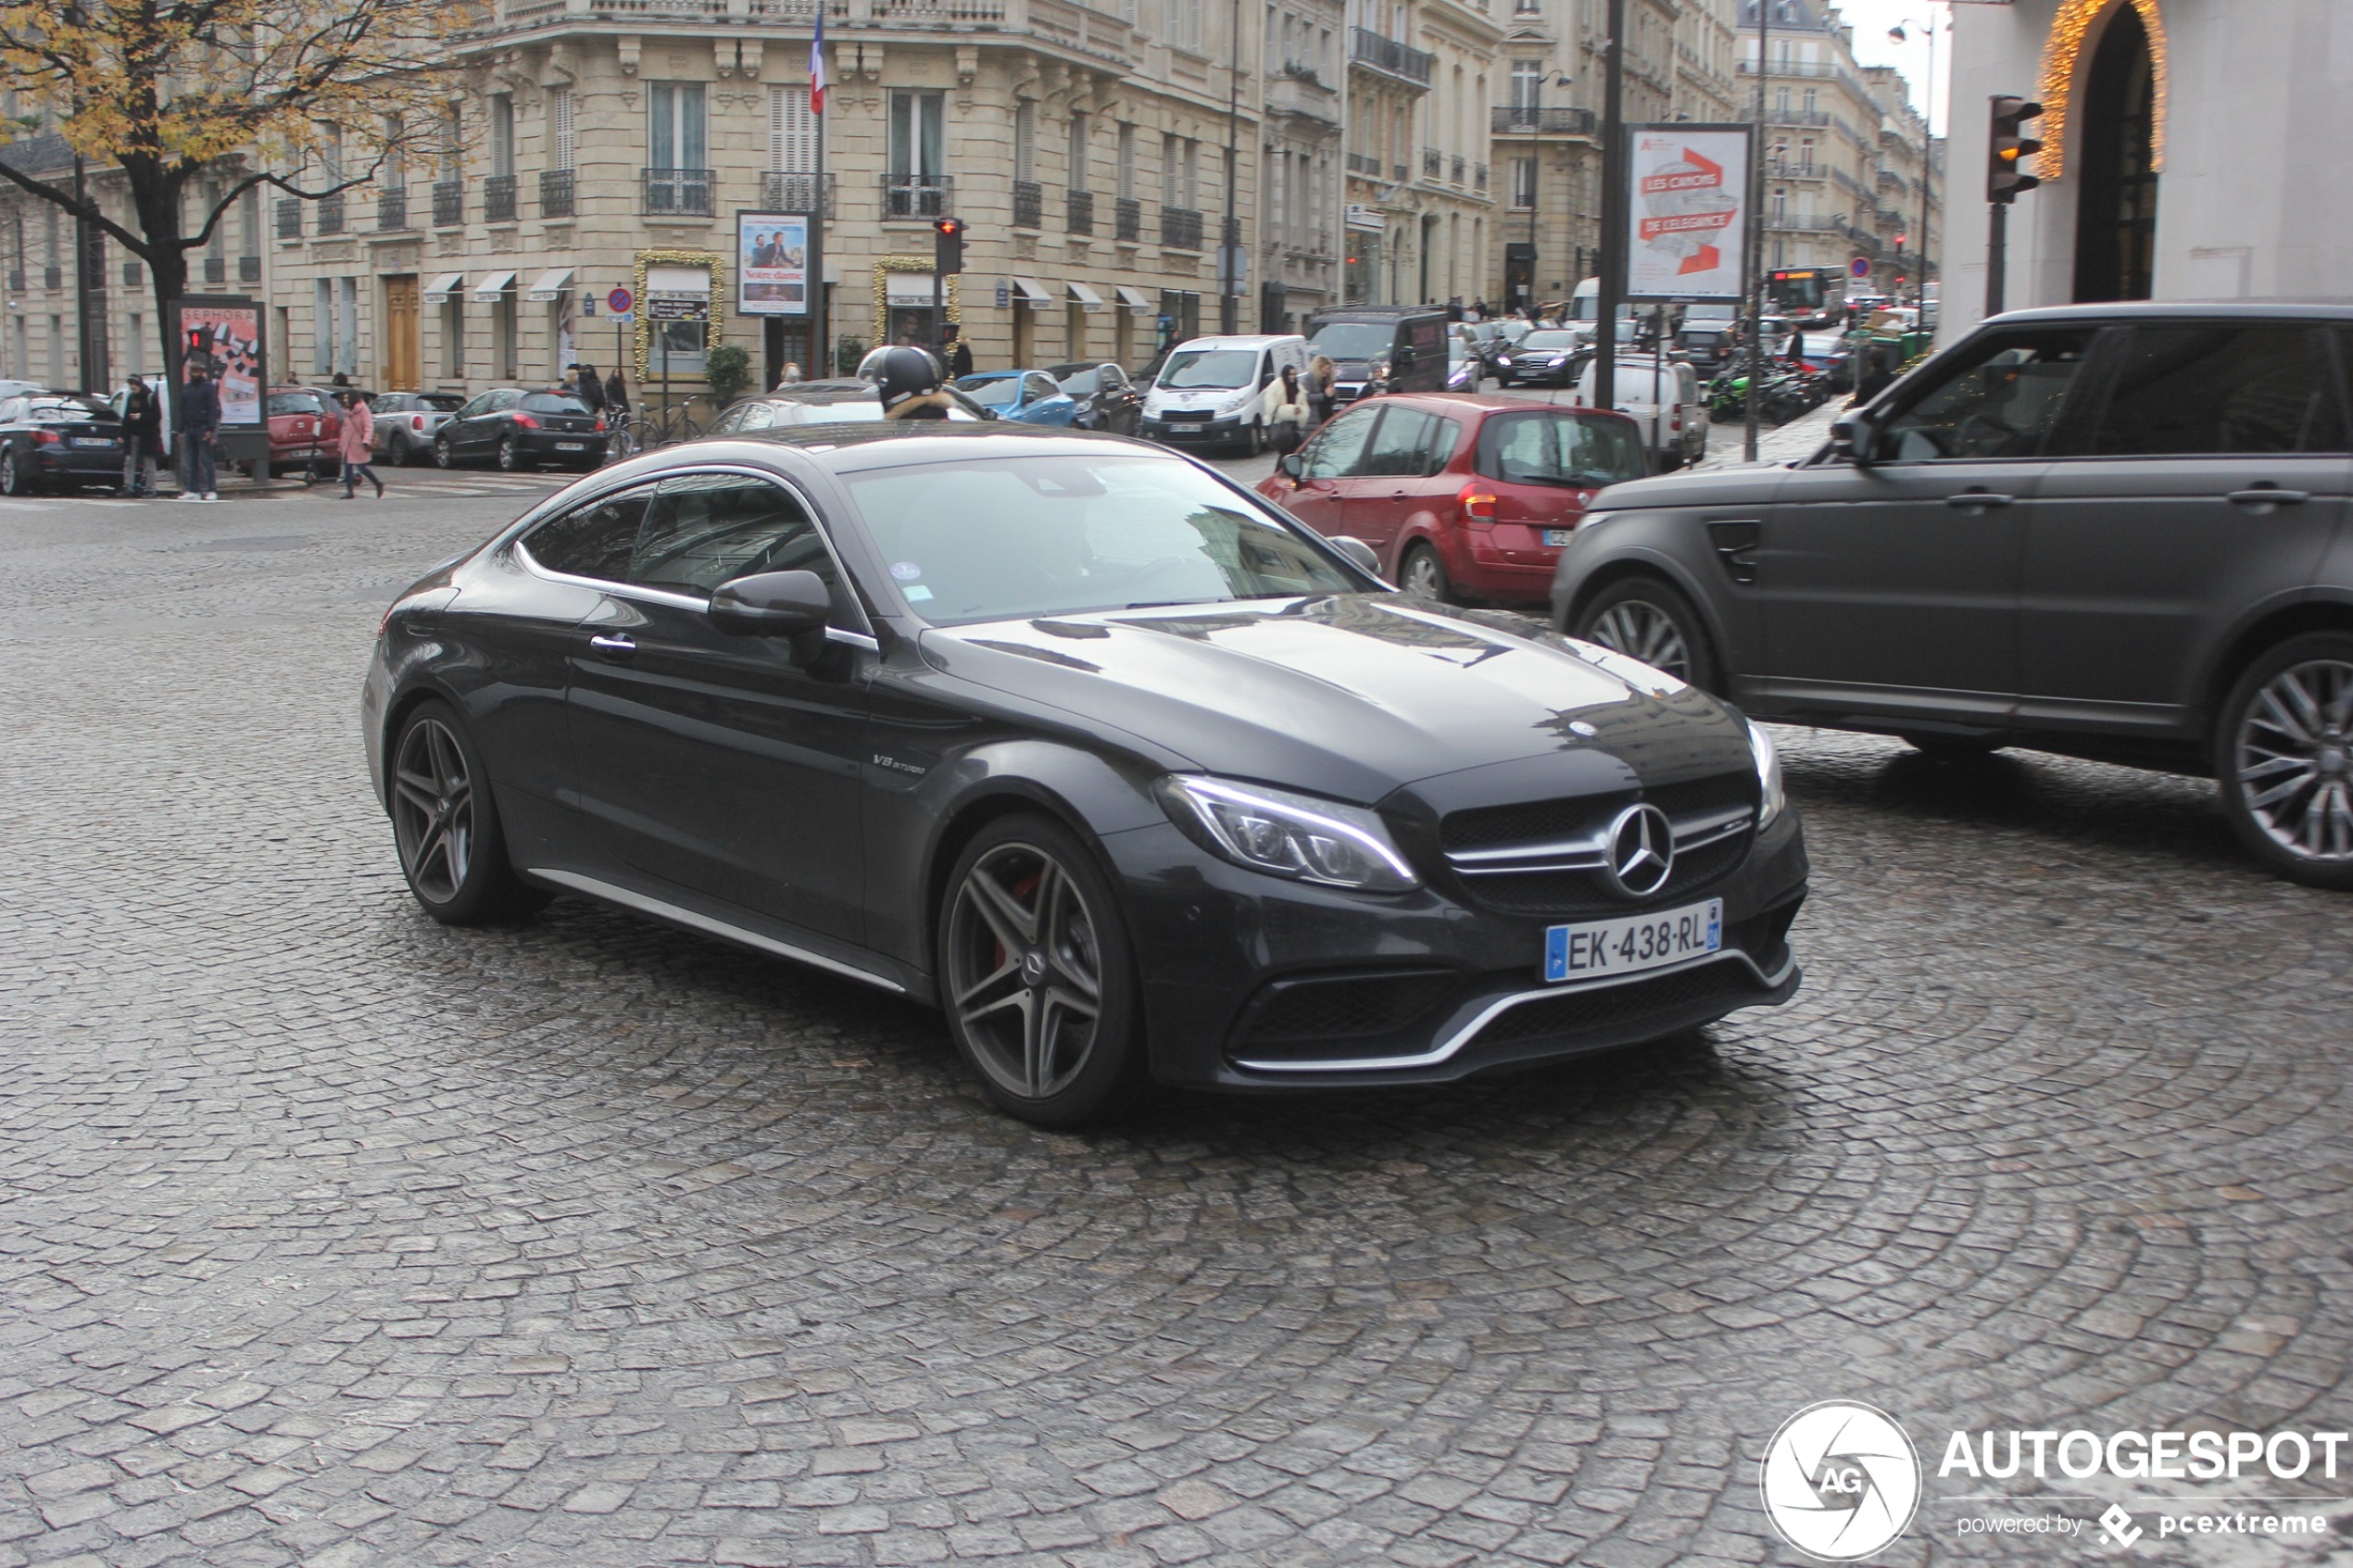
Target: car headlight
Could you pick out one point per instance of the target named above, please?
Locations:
(1284, 834)
(1770, 796)
(1557, 359)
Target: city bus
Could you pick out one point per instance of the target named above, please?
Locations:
(1811, 295)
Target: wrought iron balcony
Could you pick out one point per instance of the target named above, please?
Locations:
(17, 280)
(448, 203)
(1128, 220)
(1029, 203)
(53, 277)
(1364, 163)
(789, 191)
(556, 188)
(1388, 57)
(498, 198)
(1433, 163)
(329, 214)
(1078, 212)
(216, 270)
(248, 270)
(1180, 228)
(290, 217)
(1459, 170)
(392, 210)
(1517, 119)
(918, 196)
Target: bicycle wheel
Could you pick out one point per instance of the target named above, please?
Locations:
(622, 444)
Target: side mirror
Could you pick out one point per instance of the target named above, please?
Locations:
(772, 604)
(1293, 466)
(1358, 553)
(1851, 438)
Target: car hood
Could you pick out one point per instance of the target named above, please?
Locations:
(1352, 695)
(1747, 486)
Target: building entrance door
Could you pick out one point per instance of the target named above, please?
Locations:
(2116, 209)
(400, 334)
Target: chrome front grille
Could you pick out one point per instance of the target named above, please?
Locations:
(1547, 856)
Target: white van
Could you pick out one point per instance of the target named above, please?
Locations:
(1208, 392)
(1663, 397)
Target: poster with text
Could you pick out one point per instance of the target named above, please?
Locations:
(226, 339)
(772, 263)
(1688, 211)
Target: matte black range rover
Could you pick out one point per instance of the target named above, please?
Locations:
(2119, 531)
(1132, 776)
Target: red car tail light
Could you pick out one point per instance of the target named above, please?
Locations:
(416, 422)
(47, 437)
(1479, 506)
(601, 421)
(526, 422)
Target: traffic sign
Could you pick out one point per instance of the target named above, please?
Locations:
(1860, 267)
(619, 302)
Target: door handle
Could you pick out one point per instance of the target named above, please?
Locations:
(2269, 496)
(613, 647)
(1978, 499)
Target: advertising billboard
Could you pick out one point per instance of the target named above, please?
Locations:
(772, 263)
(224, 335)
(1688, 211)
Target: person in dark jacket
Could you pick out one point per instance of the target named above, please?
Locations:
(591, 390)
(617, 396)
(142, 439)
(908, 381)
(959, 359)
(199, 423)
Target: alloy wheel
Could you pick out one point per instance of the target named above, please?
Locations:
(12, 480)
(506, 459)
(442, 456)
(1643, 632)
(1024, 969)
(433, 810)
(1425, 576)
(2293, 759)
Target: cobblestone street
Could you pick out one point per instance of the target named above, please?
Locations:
(329, 1235)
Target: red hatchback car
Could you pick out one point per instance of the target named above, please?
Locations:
(1461, 497)
(306, 430)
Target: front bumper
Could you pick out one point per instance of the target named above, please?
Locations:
(1226, 427)
(1416, 988)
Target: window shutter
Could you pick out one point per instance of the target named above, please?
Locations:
(560, 116)
(792, 134)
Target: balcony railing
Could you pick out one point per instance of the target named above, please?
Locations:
(1796, 168)
(1180, 228)
(290, 217)
(1386, 54)
(329, 214)
(918, 196)
(392, 210)
(1029, 203)
(498, 198)
(216, 270)
(1433, 163)
(15, 280)
(1517, 119)
(1459, 170)
(795, 190)
(1478, 176)
(555, 191)
(1078, 212)
(1128, 220)
(132, 276)
(448, 203)
(53, 277)
(682, 191)
(1364, 163)
(248, 268)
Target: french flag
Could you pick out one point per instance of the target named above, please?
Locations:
(817, 64)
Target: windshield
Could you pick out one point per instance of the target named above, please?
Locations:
(1061, 536)
(1708, 313)
(1078, 384)
(1001, 392)
(1549, 339)
(1210, 368)
(1353, 340)
(1564, 449)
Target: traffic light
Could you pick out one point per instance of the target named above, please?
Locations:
(947, 244)
(2004, 179)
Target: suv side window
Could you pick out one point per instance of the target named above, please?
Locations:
(1438, 444)
(1999, 399)
(1338, 448)
(705, 529)
(1398, 445)
(595, 541)
(2202, 391)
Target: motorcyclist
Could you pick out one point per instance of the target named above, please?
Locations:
(908, 380)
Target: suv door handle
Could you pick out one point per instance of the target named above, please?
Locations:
(2269, 496)
(613, 647)
(1979, 498)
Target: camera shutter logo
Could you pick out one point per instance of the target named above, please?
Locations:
(1840, 1480)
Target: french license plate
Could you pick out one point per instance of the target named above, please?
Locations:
(1602, 949)
(569, 446)
(93, 441)
(1193, 428)
(1557, 536)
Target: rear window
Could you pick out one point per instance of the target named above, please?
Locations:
(1353, 340)
(445, 402)
(69, 408)
(552, 402)
(1550, 449)
(296, 402)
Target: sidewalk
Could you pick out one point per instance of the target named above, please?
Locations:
(1799, 438)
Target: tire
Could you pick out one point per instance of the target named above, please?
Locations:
(443, 457)
(1030, 926)
(2284, 759)
(1422, 572)
(1953, 749)
(1255, 442)
(446, 824)
(510, 460)
(397, 453)
(1645, 619)
(13, 478)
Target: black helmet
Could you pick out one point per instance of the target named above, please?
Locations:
(904, 373)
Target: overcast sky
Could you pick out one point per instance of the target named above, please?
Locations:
(1872, 18)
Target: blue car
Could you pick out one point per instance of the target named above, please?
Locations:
(1029, 397)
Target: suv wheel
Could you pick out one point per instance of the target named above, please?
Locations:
(2284, 759)
(1645, 619)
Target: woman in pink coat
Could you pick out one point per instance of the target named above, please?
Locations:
(358, 445)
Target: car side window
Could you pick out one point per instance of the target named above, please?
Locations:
(504, 399)
(757, 416)
(473, 406)
(705, 529)
(1339, 447)
(733, 419)
(2000, 398)
(597, 540)
(1440, 443)
(1397, 446)
(1039, 388)
(2185, 390)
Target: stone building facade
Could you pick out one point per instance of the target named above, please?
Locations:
(1420, 184)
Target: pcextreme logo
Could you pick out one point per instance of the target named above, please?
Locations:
(1840, 1480)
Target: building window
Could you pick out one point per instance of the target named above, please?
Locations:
(1527, 7)
(453, 337)
(674, 127)
(505, 353)
(135, 351)
(559, 128)
(1126, 173)
(1025, 139)
(322, 326)
(1527, 85)
(917, 151)
(1524, 183)
(1781, 101)
(1183, 24)
(502, 134)
(1076, 179)
(792, 133)
(1813, 99)
(347, 315)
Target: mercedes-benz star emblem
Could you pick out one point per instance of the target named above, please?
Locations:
(1642, 851)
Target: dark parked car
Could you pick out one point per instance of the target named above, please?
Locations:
(1131, 775)
(1461, 497)
(49, 440)
(518, 427)
(407, 422)
(1107, 400)
(2112, 531)
(841, 401)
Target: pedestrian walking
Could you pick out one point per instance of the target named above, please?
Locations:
(142, 435)
(616, 398)
(1320, 372)
(590, 389)
(1282, 412)
(358, 445)
(199, 423)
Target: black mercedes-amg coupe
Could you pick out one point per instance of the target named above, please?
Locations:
(1133, 776)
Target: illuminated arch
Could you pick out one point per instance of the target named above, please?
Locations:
(2072, 31)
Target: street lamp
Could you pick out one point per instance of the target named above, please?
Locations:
(1897, 34)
